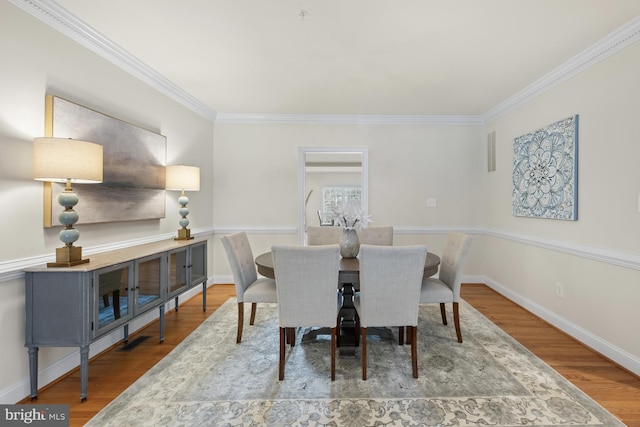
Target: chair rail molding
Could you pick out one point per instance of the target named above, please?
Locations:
(608, 256)
(12, 269)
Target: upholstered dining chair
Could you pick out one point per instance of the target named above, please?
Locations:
(390, 279)
(249, 287)
(323, 235)
(446, 287)
(307, 279)
(376, 236)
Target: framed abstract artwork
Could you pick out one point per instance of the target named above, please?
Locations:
(545, 172)
(133, 186)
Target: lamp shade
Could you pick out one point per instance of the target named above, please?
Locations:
(61, 159)
(183, 178)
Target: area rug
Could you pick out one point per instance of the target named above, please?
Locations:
(490, 379)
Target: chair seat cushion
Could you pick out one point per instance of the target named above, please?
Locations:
(262, 290)
(435, 291)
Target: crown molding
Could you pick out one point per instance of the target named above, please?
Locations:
(350, 119)
(614, 42)
(59, 18)
(62, 20)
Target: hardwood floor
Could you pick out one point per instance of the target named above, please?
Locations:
(111, 372)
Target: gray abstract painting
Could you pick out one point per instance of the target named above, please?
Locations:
(133, 186)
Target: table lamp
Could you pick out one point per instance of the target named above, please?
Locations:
(183, 178)
(67, 161)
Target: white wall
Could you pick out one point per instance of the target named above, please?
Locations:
(255, 178)
(526, 257)
(37, 60)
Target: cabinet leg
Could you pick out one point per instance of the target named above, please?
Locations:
(161, 323)
(84, 372)
(33, 372)
(204, 296)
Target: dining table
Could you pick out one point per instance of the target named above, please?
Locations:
(348, 284)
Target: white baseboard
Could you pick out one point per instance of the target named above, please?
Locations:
(21, 389)
(606, 349)
(48, 374)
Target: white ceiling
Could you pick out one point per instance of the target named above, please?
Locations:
(354, 57)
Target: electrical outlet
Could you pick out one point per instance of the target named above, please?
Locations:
(559, 290)
(431, 202)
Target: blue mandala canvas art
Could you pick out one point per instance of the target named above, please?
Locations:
(545, 172)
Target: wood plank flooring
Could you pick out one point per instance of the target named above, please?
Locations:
(111, 372)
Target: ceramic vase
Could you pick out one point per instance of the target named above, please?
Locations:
(349, 243)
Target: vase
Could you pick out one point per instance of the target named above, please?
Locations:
(349, 243)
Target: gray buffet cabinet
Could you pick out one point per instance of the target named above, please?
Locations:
(74, 306)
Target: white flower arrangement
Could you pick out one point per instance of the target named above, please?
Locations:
(348, 216)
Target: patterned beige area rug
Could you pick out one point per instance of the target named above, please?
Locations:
(490, 379)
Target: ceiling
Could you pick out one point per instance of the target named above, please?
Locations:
(354, 57)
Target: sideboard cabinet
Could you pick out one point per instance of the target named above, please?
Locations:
(74, 306)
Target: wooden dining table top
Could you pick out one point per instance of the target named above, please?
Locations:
(349, 267)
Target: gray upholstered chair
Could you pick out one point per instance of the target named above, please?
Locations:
(390, 278)
(376, 236)
(323, 235)
(446, 287)
(307, 279)
(249, 288)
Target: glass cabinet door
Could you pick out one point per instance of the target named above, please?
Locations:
(198, 264)
(177, 271)
(113, 296)
(148, 283)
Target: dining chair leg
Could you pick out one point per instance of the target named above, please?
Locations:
(240, 322)
(253, 313)
(281, 364)
(291, 336)
(400, 335)
(443, 313)
(334, 333)
(456, 320)
(356, 338)
(413, 331)
(364, 353)
(338, 331)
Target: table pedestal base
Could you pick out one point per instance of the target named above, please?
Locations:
(348, 323)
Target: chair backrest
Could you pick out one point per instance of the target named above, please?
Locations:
(307, 285)
(390, 281)
(241, 260)
(376, 236)
(323, 235)
(452, 261)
